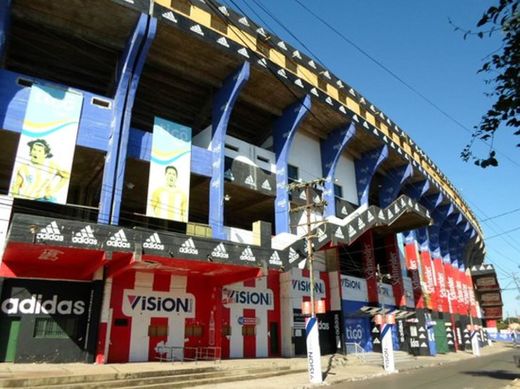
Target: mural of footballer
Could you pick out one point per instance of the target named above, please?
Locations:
(168, 201)
(40, 178)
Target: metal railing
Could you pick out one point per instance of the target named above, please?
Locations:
(355, 349)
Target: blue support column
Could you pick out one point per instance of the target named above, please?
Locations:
(125, 67)
(284, 131)
(439, 215)
(127, 118)
(448, 228)
(415, 192)
(5, 21)
(223, 104)
(392, 184)
(430, 202)
(366, 167)
(331, 149)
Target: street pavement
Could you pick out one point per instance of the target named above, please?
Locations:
(495, 365)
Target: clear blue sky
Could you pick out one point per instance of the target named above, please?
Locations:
(415, 41)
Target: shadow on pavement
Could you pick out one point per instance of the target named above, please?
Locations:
(497, 374)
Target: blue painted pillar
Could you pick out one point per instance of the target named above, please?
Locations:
(127, 118)
(430, 202)
(331, 149)
(447, 230)
(415, 192)
(439, 215)
(5, 21)
(284, 131)
(366, 167)
(125, 68)
(223, 104)
(392, 184)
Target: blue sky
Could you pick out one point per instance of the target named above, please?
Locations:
(415, 40)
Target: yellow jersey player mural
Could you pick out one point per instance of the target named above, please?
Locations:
(169, 181)
(40, 178)
(46, 147)
(168, 201)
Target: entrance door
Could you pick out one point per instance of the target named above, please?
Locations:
(273, 331)
(440, 337)
(9, 339)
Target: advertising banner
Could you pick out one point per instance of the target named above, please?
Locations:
(387, 348)
(408, 292)
(369, 265)
(441, 289)
(394, 261)
(354, 288)
(357, 330)
(170, 166)
(428, 280)
(413, 265)
(46, 147)
(386, 295)
(313, 351)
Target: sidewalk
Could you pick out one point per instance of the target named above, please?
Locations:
(338, 369)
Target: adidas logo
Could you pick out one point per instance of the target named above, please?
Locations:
(188, 247)
(360, 224)
(266, 185)
(344, 211)
(50, 232)
(321, 235)
(275, 259)
(85, 236)
(243, 51)
(229, 175)
(396, 208)
(250, 181)
(170, 16)
(390, 214)
(351, 231)
(197, 29)
(293, 255)
(220, 251)
(381, 215)
(370, 217)
(153, 242)
(339, 233)
(119, 240)
(223, 41)
(303, 196)
(247, 255)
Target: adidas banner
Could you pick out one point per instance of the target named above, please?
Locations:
(249, 176)
(46, 148)
(69, 233)
(170, 166)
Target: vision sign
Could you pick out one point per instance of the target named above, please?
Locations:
(354, 289)
(248, 298)
(146, 303)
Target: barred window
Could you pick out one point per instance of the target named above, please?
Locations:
(47, 327)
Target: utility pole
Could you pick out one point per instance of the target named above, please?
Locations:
(311, 325)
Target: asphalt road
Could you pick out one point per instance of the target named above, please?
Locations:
(493, 371)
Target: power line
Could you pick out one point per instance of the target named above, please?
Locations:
(503, 233)
(399, 79)
(500, 215)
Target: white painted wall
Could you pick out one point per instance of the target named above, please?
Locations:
(239, 150)
(305, 154)
(346, 176)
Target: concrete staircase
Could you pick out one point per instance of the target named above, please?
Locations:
(178, 378)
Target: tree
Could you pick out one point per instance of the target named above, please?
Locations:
(504, 68)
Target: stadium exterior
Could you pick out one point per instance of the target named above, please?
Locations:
(123, 267)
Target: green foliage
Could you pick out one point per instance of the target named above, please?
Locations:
(504, 68)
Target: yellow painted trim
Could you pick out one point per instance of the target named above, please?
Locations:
(307, 75)
(353, 106)
(370, 118)
(277, 57)
(200, 16)
(333, 92)
(241, 37)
